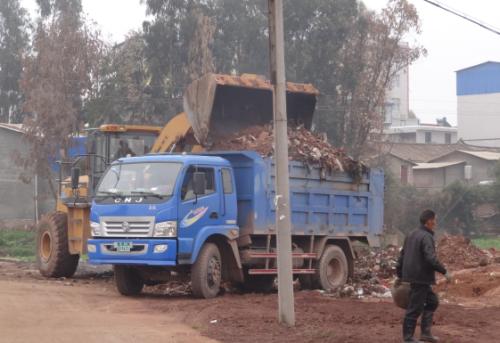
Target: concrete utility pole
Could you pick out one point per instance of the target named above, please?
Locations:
(282, 201)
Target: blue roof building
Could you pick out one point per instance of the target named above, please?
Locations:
(478, 104)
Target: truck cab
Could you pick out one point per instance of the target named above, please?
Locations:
(152, 215)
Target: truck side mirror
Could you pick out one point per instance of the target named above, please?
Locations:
(75, 177)
(199, 183)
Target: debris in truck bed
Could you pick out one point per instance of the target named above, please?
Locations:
(303, 145)
(458, 252)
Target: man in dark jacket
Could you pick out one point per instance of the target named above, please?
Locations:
(417, 265)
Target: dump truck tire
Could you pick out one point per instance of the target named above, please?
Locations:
(332, 269)
(206, 272)
(128, 281)
(52, 254)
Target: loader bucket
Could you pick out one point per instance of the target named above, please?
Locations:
(220, 104)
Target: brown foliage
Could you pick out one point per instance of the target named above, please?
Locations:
(374, 53)
(56, 81)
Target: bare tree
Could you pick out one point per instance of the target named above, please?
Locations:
(57, 79)
(373, 55)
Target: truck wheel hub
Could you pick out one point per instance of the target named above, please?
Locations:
(214, 272)
(46, 246)
(334, 272)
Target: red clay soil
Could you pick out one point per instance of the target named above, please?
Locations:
(472, 283)
(458, 252)
(252, 318)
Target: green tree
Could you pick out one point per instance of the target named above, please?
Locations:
(347, 51)
(14, 44)
(124, 86)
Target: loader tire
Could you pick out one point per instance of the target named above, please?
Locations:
(52, 254)
(128, 280)
(332, 269)
(206, 272)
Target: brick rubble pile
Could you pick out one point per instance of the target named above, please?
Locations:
(303, 145)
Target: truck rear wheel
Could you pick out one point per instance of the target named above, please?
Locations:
(332, 269)
(206, 272)
(52, 253)
(128, 280)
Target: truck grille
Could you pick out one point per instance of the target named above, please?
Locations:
(127, 226)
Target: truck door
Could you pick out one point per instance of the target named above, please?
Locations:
(199, 211)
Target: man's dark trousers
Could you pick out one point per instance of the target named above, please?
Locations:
(422, 300)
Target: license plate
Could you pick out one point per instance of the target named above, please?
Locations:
(122, 246)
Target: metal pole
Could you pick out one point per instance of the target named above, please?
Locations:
(282, 201)
(35, 194)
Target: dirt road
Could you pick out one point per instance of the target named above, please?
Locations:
(88, 309)
(36, 310)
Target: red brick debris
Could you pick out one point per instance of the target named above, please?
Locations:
(303, 145)
(458, 252)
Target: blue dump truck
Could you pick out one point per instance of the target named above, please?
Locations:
(210, 217)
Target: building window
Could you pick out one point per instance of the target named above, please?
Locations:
(388, 113)
(428, 137)
(447, 138)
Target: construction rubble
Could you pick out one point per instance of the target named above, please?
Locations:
(374, 273)
(375, 269)
(303, 145)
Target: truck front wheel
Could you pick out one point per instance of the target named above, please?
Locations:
(206, 272)
(332, 269)
(128, 280)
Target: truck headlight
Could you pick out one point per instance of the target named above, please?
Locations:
(165, 229)
(95, 229)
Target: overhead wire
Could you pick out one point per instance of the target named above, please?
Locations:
(463, 16)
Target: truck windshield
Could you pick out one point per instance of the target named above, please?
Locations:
(139, 179)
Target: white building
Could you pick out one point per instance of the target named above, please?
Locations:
(397, 104)
(422, 134)
(478, 104)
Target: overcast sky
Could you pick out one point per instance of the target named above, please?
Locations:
(451, 42)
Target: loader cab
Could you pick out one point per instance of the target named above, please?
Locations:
(104, 145)
(110, 142)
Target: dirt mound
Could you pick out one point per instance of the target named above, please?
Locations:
(303, 145)
(473, 283)
(458, 252)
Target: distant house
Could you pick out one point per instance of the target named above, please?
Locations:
(18, 198)
(481, 163)
(437, 175)
(435, 166)
(399, 158)
(478, 99)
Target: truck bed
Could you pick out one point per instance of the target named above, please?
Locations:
(330, 205)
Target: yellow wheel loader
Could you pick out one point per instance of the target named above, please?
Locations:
(213, 104)
(62, 235)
